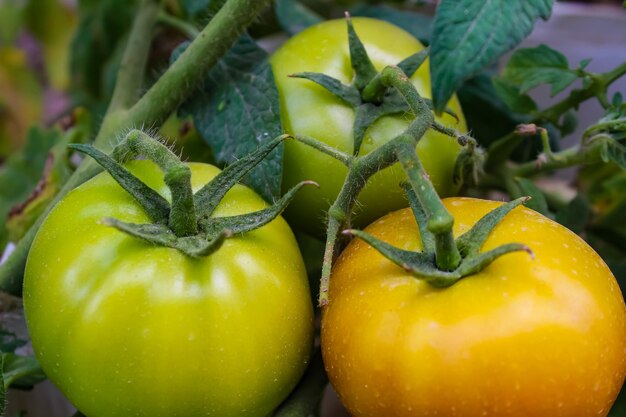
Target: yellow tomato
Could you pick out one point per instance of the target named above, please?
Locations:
(524, 338)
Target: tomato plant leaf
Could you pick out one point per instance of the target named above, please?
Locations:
(237, 109)
(293, 16)
(470, 34)
(613, 151)
(21, 372)
(488, 115)
(530, 67)
(22, 172)
(418, 25)
(511, 95)
(537, 200)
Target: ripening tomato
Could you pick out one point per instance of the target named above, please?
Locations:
(127, 328)
(541, 338)
(309, 109)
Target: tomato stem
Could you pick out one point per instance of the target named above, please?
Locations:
(182, 215)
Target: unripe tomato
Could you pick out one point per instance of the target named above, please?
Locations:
(308, 109)
(126, 328)
(541, 338)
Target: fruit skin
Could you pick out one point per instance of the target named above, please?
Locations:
(308, 109)
(125, 328)
(542, 338)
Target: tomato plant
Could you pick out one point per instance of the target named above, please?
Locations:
(309, 109)
(523, 337)
(124, 327)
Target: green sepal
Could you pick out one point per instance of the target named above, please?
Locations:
(347, 93)
(364, 70)
(411, 64)
(474, 264)
(195, 246)
(470, 242)
(423, 264)
(157, 207)
(250, 221)
(208, 197)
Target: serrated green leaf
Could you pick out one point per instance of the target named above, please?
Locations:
(470, 34)
(418, 25)
(22, 171)
(537, 200)
(293, 16)
(531, 67)
(237, 109)
(516, 101)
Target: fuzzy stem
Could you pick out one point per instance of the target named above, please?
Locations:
(182, 218)
(342, 157)
(440, 221)
(207, 48)
(559, 160)
(133, 65)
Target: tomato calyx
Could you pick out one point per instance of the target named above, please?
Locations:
(367, 95)
(185, 224)
(423, 264)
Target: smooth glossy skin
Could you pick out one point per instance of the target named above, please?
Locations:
(522, 338)
(309, 109)
(124, 328)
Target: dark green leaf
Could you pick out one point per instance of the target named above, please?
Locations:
(22, 171)
(470, 34)
(293, 16)
(516, 101)
(416, 24)
(21, 372)
(237, 109)
(537, 200)
(531, 67)
(575, 215)
(488, 117)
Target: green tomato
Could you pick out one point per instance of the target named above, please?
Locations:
(125, 328)
(309, 109)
